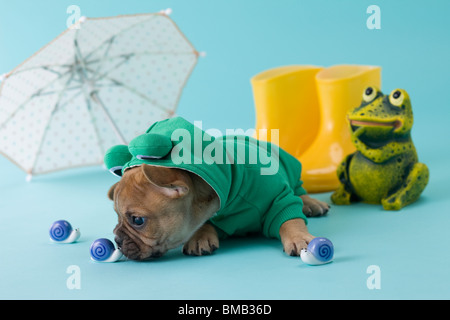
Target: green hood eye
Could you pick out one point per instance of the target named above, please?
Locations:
(116, 157)
(144, 147)
(150, 146)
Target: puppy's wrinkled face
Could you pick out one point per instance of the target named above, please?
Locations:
(154, 207)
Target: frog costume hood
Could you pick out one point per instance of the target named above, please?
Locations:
(238, 168)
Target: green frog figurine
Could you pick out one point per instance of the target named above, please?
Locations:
(385, 168)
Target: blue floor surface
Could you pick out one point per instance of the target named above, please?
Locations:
(410, 247)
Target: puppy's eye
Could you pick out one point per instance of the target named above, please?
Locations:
(137, 221)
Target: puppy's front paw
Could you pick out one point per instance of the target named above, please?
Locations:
(313, 207)
(203, 242)
(294, 236)
(294, 245)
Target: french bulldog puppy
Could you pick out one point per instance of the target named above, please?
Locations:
(161, 208)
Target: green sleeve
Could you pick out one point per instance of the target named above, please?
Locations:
(285, 207)
(299, 190)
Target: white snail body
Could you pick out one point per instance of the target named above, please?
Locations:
(62, 232)
(103, 250)
(319, 251)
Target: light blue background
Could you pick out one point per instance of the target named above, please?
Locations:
(241, 39)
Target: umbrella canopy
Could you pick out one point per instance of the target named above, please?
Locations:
(92, 87)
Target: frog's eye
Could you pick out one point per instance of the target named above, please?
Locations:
(369, 94)
(396, 98)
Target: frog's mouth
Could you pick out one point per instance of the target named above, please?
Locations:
(374, 134)
(359, 123)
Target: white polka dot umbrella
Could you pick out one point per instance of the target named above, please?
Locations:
(98, 84)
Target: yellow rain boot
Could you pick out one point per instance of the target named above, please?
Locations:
(340, 89)
(313, 129)
(286, 99)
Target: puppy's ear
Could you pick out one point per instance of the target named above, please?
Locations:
(171, 182)
(111, 191)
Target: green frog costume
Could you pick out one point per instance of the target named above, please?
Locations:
(258, 184)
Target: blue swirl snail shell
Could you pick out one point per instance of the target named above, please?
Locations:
(103, 250)
(62, 232)
(319, 251)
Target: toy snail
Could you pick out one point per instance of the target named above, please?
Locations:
(62, 232)
(103, 250)
(319, 251)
